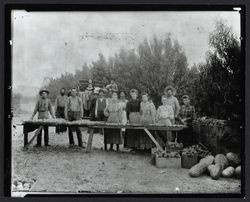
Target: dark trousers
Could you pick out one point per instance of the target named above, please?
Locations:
(86, 112)
(60, 114)
(101, 116)
(46, 136)
(73, 116)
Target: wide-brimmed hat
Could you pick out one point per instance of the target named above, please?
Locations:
(133, 91)
(185, 96)
(90, 88)
(43, 90)
(170, 88)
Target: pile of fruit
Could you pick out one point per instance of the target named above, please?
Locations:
(201, 151)
(189, 151)
(22, 185)
(165, 154)
(174, 146)
(210, 121)
(220, 165)
(57, 120)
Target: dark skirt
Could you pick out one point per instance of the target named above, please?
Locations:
(60, 114)
(132, 137)
(112, 136)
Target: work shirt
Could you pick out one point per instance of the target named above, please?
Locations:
(43, 107)
(60, 101)
(112, 87)
(85, 96)
(74, 104)
(174, 103)
(187, 112)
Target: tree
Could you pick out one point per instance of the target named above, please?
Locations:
(220, 79)
(99, 68)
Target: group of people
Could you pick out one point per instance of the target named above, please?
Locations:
(113, 107)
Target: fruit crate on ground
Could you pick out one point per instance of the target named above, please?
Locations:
(167, 162)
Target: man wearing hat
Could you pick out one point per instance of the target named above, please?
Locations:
(169, 93)
(43, 107)
(187, 111)
(171, 100)
(187, 115)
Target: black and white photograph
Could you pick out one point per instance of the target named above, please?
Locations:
(127, 102)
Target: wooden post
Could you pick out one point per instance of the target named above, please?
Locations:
(90, 139)
(152, 138)
(25, 140)
(32, 139)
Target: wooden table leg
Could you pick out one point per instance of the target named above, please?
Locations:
(25, 140)
(90, 139)
(152, 138)
(176, 136)
(32, 139)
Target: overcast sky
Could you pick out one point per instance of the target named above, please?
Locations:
(46, 44)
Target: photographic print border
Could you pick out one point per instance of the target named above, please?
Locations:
(104, 7)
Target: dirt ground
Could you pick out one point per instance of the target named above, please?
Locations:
(59, 168)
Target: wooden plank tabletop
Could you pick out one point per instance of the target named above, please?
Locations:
(99, 124)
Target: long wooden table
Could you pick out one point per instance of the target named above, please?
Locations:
(30, 125)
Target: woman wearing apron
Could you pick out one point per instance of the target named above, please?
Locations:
(132, 137)
(148, 114)
(112, 111)
(123, 103)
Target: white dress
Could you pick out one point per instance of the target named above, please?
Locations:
(122, 105)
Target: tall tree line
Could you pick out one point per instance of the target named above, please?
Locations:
(214, 86)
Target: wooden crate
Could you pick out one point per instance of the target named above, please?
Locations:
(162, 162)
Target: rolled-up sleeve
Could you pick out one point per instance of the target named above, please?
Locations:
(51, 109)
(177, 107)
(153, 112)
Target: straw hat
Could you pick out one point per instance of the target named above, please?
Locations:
(133, 91)
(170, 88)
(185, 96)
(43, 90)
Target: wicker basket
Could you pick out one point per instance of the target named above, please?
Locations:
(189, 161)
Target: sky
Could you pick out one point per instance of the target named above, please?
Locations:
(47, 44)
